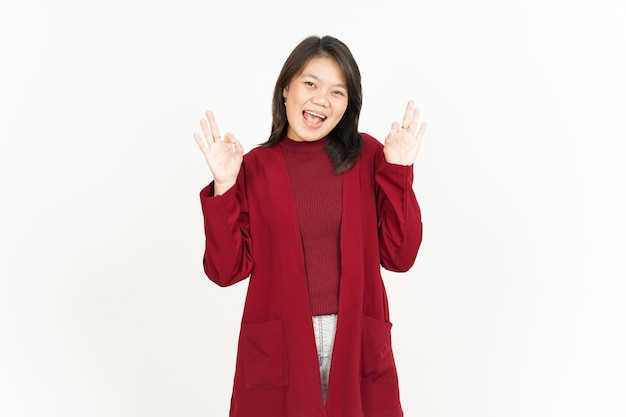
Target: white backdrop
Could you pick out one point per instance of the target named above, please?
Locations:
(515, 306)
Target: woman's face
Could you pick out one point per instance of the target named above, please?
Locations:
(316, 100)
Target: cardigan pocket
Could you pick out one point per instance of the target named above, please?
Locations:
(264, 354)
(377, 363)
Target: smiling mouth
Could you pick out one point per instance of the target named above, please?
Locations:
(313, 118)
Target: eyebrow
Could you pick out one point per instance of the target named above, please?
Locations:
(308, 74)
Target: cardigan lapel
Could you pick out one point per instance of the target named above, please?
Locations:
(305, 392)
(344, 394)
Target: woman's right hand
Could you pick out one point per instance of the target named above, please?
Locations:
(223, 155)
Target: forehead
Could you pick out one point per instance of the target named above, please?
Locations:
(324, 68)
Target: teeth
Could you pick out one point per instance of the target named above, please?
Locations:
(321, 116)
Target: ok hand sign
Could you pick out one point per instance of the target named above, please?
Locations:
(223, 155)
(403, 142)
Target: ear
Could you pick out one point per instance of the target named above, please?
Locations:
(285, 91)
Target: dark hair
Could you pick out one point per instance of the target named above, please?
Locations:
(345, 141)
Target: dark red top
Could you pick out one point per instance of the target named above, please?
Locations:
(319, 218)
(252, 231)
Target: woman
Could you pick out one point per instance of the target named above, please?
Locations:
(310, 216)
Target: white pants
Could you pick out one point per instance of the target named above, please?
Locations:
(325, 328)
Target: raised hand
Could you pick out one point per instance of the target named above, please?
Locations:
(403, 142)
(223, 155)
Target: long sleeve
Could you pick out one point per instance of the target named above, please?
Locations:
(227, 255)
(399, 216)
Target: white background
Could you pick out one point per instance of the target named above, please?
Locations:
(515, 306)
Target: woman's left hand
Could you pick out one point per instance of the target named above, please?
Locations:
(403, 142)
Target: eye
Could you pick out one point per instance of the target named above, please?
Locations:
(309, 83)
(339, 93)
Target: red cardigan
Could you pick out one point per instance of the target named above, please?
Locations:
(252, 230)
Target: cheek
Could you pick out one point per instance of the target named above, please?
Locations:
(342, 110)
(292, 114)
(297, 95)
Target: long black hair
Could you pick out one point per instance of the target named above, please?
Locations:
(345, 141)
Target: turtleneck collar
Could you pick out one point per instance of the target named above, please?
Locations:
(291, 145)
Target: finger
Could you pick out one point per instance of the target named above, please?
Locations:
(238, 148)
(201, 144)
(406, 120)
(395, 127)
(207, 132)
(229, 138)
(214, 129)
(412, 126)
(421, 132)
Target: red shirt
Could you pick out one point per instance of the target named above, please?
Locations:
(252, 231)
(319, 218)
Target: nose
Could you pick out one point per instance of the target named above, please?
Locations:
(320, 100)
